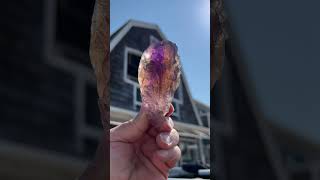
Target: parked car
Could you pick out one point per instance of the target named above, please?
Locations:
(189, 171)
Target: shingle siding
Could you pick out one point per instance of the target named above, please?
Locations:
(186, 110)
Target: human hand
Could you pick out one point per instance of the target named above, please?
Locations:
(141, 151)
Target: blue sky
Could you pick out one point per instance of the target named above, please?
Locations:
(185, 22)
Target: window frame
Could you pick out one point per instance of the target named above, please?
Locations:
(136, 52)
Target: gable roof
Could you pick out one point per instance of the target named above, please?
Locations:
(117, 36)
(114, 34)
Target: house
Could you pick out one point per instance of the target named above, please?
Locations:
(126, 47)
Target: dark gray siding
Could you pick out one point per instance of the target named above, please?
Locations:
(122, 92)
(36, 99)
(36, 105)
(186, 111)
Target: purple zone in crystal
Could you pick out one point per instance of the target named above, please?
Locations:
(157, 53)
(157, 60)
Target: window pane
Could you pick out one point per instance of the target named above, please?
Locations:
(138, 95)
(133, 65)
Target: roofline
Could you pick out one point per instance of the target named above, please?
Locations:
(133, 23)
(190, 98)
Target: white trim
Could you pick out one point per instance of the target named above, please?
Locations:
(153, 39)
(134, 84)
(187, 139)
(128, 26)
(128, 50)
(188, 135)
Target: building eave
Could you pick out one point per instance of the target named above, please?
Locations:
(120, 115)
(133, 23)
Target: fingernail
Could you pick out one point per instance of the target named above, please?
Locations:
(163, 153)
(165, 137)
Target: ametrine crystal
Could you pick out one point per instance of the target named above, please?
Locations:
(159, 76)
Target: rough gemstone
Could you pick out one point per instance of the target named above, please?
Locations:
(159, 76)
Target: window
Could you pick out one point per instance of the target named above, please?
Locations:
(133, 66)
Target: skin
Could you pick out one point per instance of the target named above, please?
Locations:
(137, 151)
(141, 151)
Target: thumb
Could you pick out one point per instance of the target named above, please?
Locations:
(131, 130)
(134, 129)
